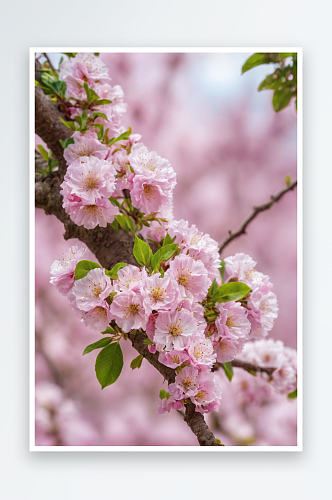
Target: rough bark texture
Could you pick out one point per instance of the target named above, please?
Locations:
(108, 246)
(198, 425)
(194, 419)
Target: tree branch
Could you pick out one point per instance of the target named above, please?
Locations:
(194, 419)
(108, 246)
(254, 213)
(249, 367)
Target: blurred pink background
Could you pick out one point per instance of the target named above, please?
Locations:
(230, 151)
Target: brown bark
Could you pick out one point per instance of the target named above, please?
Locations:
(108, 246)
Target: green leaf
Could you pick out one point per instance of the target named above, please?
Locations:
(101, 102)
(70, 125)
(121, 137)
(137, 362)
(147, 342)
(230, 291)
(93, 96)
(109, 364)
(222, 271)
(102, 115)
(46, 90)
(87, 91)
(163, 394)
(52, 163)
(78, 120)
(83, 267)
(167, 240)
(43, 152)
(66, 142)
(213, 287)
(97, 345)
(142, 252)
(84, 118)
(288, 180)
(267, 84)
(228, 369)
(113, 273)
(281, 98)
(293, 395)
(125, 222)
(100, 134)
(109, 331)
(164, 253)
(114, 202)
(58, 87)
(70, 54)
(256, 60)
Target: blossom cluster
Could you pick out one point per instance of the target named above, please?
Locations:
(262, 303)
(273, 353)
(175, 301)
(172, 307)
(90, 69)
(99, 167)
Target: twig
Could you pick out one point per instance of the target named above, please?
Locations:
(49, 62)
(249, 367)
(254, 213)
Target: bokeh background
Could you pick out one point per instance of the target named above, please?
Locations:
(230, 151)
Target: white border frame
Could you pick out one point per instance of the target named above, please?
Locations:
(207, 50)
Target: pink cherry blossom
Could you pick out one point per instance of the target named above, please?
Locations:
(160, 294)
(263, 311)
(227, 348)
(85, 145)
(63, 269)
(150, 193)
(198, 245)
(151, 325)
(130, 278)
(148, 163)
(174, 328)
(197, 311)
(273, 354)
(157, 231)
(173, 358)
(98, 318)
(89, 215)
(91, 290)
(242, 268)
(168, 405)
(191, 276)
(201, 352)
(91, 178)
(186, 383)
(208, 395)
(84, 66)
(122, 167)
(127, 308)
(232, 320)
(113, 111)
